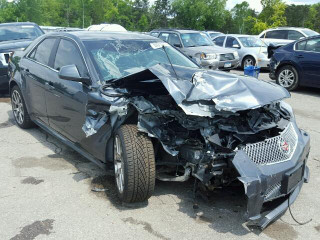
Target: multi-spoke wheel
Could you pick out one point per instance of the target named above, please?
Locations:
(19, 109)
(248, 61)
(287, 77)
(134, 164)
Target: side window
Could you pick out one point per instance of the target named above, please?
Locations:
(277, 34)
(164, 36)
(219, 41)
(68, 54)
(313, 45)
(301, 45)
(42, 52)
(174, 40)
(231, 41)
(294, 35)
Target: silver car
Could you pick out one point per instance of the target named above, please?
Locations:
(200, 48)
(251, 50)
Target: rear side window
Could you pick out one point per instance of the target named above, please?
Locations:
(294, 35)
(42, 52)
(219, 41)
(277, 34)
(69, 54)
(313, 45)
(164, 36)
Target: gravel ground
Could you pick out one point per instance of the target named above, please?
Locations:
(46, 192)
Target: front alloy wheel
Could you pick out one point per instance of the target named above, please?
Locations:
(17, 107)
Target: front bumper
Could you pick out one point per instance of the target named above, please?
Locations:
(4, 79)
(212, 64)
(228, 65)
(258, 179)
(273, 68)
(264, 62)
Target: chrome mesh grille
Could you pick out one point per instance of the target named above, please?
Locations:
(273, 192)
(273, 150)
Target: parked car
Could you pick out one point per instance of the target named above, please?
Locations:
(14, 36)
(199, 47)
(297, 64)
(106, 27)
(134, 102)
(251, 49)
(213, 34)
(48, 29)
(284, 35)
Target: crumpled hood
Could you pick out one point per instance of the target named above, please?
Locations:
(208, 49)
(229, 92)
(188, 86)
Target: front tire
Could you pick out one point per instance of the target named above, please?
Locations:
(248, 61)
(20, 113)
(134, 164)
(288, 77)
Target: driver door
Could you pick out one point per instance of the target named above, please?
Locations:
(66, 100)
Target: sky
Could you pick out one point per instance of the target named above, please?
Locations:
(255, 4)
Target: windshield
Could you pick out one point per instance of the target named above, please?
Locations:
(114, 59)
(195, 40)
(252, 42)
(309, 32)
(9, 33)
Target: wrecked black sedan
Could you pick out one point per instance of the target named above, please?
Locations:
(134, 101)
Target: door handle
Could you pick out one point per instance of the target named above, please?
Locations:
(300, 56)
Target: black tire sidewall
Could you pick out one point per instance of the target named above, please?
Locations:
(248, 57)
(296, 77)
(26, 121)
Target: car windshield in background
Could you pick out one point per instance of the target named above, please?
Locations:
(115, 59)
(252, 42)
(309, 32)
(9, 33)
(195, 40)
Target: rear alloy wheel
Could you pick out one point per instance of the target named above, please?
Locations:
(287, 77)
(248, 61)
(19, 109)
(134, 164)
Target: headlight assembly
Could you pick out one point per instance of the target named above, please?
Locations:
(208, 56)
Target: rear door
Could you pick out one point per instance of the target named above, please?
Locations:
(307, 55)
(38, 72)
(66, 100)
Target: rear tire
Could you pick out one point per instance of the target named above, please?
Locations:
(288, 77)
(19, 109)
(134, 164)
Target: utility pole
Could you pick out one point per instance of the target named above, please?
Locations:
(82, 14)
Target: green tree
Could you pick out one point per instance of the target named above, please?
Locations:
(240, 13)
(297, 15)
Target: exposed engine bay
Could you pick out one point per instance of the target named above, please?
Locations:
(207, 125)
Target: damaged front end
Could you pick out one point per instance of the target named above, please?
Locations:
(216, 127)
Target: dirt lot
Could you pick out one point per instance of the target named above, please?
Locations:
(46, 192)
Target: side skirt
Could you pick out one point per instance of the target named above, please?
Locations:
(72, 145)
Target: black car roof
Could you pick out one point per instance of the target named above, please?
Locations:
(18, 24)
(97, 35)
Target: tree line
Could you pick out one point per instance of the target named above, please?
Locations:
(140, 15)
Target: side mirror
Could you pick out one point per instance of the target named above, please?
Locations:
(70, 72)
(178, 45)
(236, 46)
